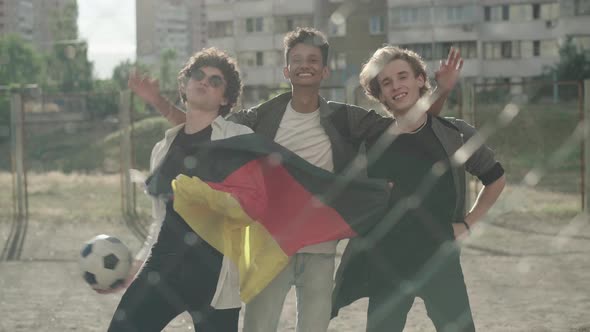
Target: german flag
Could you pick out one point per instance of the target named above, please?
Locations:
(258, 203)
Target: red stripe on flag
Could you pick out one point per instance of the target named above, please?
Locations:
(289, 212)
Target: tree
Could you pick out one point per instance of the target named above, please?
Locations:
(167, 75)
(19, 63)
(68, 67)
(104, 100)
(122, 70)
(64, 25)
(573, 65)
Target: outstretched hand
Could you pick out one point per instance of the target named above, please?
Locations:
(145, 87)
(447, 74)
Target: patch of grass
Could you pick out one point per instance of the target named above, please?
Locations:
(91, 147)
(566, 210)
(532, 141)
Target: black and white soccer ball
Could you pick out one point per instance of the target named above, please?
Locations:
(105, 262)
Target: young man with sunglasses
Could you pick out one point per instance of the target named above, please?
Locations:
(318, 131)
(412, 252)
(183, 272)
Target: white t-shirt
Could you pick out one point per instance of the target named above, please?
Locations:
(303, 134)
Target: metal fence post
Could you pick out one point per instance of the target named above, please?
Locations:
(586, 145)
(18, 157)
(127, 190)
(468, 112)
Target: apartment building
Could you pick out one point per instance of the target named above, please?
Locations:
(16, 17)
(47, 14)
(500, 40)
(355, 30)
(35, 20)
(179, 25)
(253, 31)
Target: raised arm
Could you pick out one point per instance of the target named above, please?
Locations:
(148, 89)
(446, 77)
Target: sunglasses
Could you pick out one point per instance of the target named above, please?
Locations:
(198, 75)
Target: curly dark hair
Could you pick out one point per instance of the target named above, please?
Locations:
(383, 56)
(214, 57)
(309, 36)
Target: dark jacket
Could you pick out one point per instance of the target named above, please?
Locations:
(352, 276)
(343, 123)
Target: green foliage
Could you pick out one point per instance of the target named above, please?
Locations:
(68, 67)
(167, 73)
(573, 63)
(94, 148)
(104, 99)
(123, 69)
(64, 25)
(19, 63)
(4, 119)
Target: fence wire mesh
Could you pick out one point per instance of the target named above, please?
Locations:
(526, 265)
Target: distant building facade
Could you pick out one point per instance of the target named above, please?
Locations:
(500, 40)
(179, 25)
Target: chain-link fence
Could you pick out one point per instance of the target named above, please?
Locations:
(66, 166)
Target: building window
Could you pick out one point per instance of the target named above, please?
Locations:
(526, 49)
(338, 61)
(582, 43)
(506, 49)
(549, 48)
(468, 49)
(457, 14)
(410, 16)
(536, 11)
(376, 25)
(259, 59)
(549, 11)
(505, 13)
(492, 50)
(283, 24)
(536, 48)
(247, 59)
(424, 49)
(581, 7)
(254, 24)
(519, 13)
(496, 13)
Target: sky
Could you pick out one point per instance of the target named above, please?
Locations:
(109, 28)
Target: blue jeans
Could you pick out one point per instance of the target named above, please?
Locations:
(313, 278)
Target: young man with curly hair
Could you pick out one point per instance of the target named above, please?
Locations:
(183, 272)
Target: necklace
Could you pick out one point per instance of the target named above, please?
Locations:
(417, 130)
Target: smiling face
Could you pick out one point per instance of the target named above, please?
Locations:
(305, 66)
(399, 86)
(205, 90)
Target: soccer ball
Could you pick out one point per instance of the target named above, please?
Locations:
(105, 262)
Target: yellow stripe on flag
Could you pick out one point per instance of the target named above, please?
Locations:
(232, 232)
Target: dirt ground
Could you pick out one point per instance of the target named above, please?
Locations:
(527, 266)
